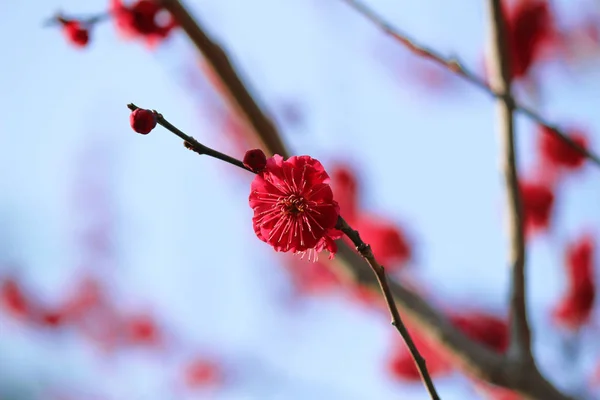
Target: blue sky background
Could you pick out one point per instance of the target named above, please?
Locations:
(183, 240)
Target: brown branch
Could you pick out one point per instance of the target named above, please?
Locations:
(471, 356)
(520, 344)
(235, 89)
(379, 272)
(456, 66)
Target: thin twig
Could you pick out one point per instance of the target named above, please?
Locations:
(379, 271)
(520, 344)
(191, 143)
(87, 21)
(363, 248)
(456, 66)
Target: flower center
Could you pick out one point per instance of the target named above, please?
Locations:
(293, 204)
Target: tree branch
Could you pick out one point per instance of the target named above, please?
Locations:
(471, 356)
(520, 344)
(192, 144)
(363, 248)
(234, 88)
(456, 66)
(379, 272)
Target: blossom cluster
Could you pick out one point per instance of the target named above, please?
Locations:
(146, 20)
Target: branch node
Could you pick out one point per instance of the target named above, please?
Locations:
(191, 147)
(363, 248)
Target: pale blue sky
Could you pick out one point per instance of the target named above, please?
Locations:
(183, 236)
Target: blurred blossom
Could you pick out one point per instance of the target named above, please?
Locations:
(538, 202)
(576, 304)
(557, 154)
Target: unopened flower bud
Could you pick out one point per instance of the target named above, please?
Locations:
(255, 160)
(142, 121)
(75, 33)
